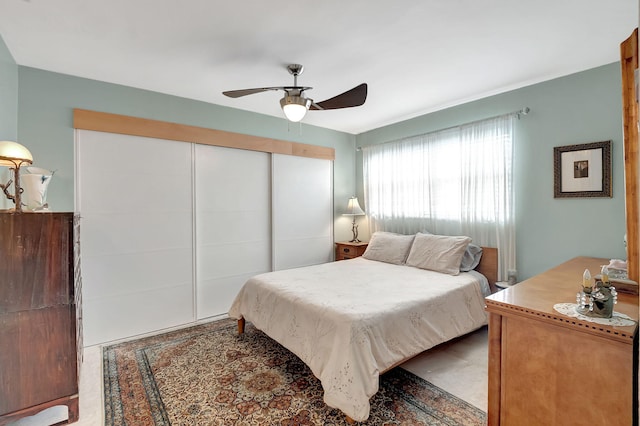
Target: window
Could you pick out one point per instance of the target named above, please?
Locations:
(456, 181)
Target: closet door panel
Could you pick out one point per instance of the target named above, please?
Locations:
(155, 310)
(233, 220)
(302, 211)
(128, 273)
(134, 232)
(290, 255)
(135, 200)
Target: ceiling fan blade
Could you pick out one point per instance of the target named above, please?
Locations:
(245, 92)
(350, 98)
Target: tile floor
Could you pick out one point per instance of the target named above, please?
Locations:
(459, 367)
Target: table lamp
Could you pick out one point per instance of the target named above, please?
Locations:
(353, 209)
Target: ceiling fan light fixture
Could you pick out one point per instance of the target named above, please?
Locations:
(295, 107)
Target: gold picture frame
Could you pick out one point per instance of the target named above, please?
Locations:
(582, 170)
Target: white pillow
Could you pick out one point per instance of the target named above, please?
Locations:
(388, 247)
(440, 253)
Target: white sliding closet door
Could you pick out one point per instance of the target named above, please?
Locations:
(233, 223)
(302, 211)
(134, 196)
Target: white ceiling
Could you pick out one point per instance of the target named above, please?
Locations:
(417, 56)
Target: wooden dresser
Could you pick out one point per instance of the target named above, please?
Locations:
(40, 351)
(347, 250)
(546, 368)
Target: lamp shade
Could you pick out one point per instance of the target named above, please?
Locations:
(353, 208)
(295, 107)
(12, 154)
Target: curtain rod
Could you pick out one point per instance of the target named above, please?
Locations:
(518, 113)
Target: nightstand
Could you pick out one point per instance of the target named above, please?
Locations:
(347, 250)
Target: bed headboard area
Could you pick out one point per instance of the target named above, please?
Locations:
(412, 250)
(488, 266)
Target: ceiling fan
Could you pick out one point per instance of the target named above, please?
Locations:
(295, 104)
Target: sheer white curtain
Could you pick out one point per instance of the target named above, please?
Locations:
(456, 181)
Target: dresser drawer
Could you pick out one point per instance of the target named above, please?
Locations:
(349, 250)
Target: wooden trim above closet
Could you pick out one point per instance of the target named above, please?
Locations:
(122, 124)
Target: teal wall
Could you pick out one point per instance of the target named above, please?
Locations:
(8, 94)
(45, 110)
(579, 108)
(8, 111)
(584, 107)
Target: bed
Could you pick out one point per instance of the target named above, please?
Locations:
(352, 320)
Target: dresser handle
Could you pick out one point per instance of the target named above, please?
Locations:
(346, 250)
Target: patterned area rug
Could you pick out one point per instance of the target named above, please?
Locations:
(210, 375)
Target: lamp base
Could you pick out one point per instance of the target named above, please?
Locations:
(354, 230)
(16, 196)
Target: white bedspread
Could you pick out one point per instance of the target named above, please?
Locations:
(351, 320)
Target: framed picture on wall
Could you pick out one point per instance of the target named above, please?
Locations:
(582, 170)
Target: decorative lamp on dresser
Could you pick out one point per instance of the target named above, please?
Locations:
(40, 351)
(552, 368)
(348, 250)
